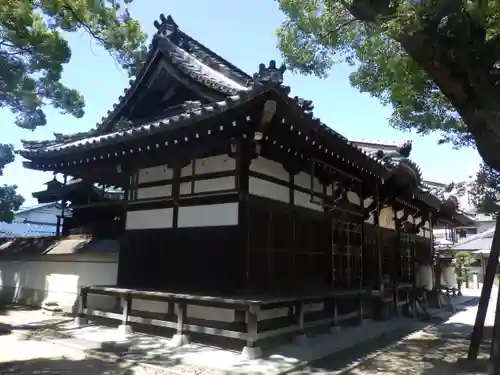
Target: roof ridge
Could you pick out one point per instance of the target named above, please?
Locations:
(166, 26)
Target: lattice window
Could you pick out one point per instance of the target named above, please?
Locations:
(347, 258)
(407, 253)
(389, 255)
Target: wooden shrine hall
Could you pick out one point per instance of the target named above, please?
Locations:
(244, 215)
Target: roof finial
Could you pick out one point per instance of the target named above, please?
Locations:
(270, 73)
(166, 26)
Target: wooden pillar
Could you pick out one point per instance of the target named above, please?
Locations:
(58, 226)
(299, 321)
(251, 350)
(177, 279)
(181, 318)
(124, 267)
(82, 302)
(489, 278)
(361, 308)
(379, 242)
(292, 169)
(244, 155)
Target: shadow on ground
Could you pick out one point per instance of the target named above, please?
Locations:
(64, 366)
(437, 350)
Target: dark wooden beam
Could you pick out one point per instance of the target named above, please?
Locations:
(245, 152)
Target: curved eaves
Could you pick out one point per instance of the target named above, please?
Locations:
(196, 113)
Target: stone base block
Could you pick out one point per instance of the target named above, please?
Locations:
(301, 339)
(179, 340)
(125, 329)
(334, 329)
(80, 321)
(251, 352)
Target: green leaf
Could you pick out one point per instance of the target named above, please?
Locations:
(33, 53)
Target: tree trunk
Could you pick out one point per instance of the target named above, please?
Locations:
(489, 278)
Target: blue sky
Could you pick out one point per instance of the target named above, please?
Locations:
(243, 33)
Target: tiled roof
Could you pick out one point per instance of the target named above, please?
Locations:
(24, 210)
(195, 113)
(26, 230)
(49, 245)
(211, 70)
(189, 56)
(480, 241)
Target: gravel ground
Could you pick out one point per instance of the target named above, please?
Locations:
(24, 357)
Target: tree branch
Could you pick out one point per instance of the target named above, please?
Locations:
(337, 29)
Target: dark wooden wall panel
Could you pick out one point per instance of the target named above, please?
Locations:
(186, 259)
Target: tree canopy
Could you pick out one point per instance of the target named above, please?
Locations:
(10, 201)
(434, 62)
(33, 52)
(437, 63)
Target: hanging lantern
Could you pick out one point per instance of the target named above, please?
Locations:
(448, 276)
(424, 277)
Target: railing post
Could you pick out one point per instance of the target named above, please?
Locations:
(125, 328)
(250, 351)
(361, 309)
(81, 318)
(332, 311)
(180, 338)
(301, 337)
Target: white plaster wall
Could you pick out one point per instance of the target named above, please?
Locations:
(208, 215)
(203, 166)
(153, 174)
(270, 190)
(269, 168)
(149, 219)
(304, 200)
(214, 184)
(154, 192)
(303, 179)
(31, 281)
(219, 163)
(218, 314)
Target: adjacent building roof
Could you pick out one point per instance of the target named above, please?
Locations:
(41, 206)
(56, 190)
(26, 230)
(19, 247)
(481, 241)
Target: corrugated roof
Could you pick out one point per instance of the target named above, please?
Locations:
(480, 241)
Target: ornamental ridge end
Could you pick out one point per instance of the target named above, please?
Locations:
(270, 73)
(166, 26)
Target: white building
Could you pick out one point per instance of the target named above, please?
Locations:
(35, 221)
